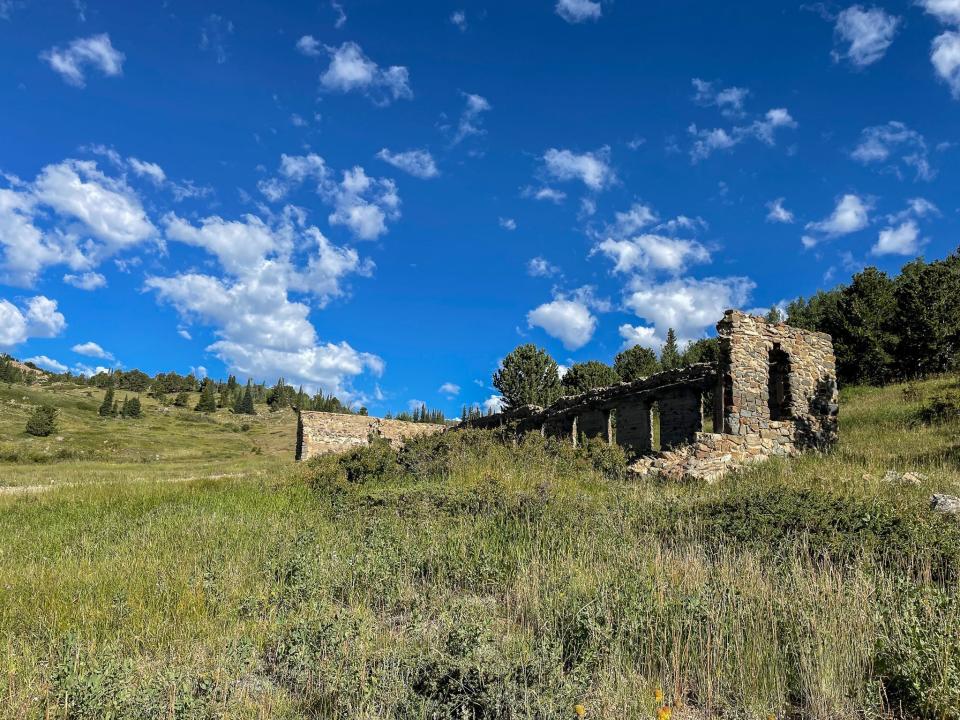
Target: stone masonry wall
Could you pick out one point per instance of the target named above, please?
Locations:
(320, 432)
(746, 342)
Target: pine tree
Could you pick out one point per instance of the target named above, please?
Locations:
(588, 375)
(123, 408)
(132, 408)
(43, 421)
(529, 376)
(244, 404)
(635, 363)
(106, 407)
(182, 399)
(115, 410)
(670, 352)
(208, 399)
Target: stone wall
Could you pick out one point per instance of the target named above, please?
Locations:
(774, 392)
(745, 391)
(320, 432)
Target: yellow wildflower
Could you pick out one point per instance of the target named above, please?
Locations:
(658, 696)
(664, 713)
(580, 710)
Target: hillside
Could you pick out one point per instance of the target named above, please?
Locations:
(470, 579)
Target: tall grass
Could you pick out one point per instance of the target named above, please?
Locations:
(471, 579)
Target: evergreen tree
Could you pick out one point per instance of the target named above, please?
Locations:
(123, 408)
(927, 317)
(132, 408)
(182, 399)
(208, 399)
(115, 410)
(588, 375)
(670, 352)
(774, 315)
(704, 350)
(635, 363)
(106, 407)
(43, 421)
(244, 404)
(529, 376)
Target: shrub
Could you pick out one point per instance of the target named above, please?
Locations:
(376, 461)
(609, 460)
(181, 400)
(132, 408)
(43, 421)
(941, 409)
(919, 657)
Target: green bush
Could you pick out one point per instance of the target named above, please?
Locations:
(375, 462)
(43, 421)
(941, 409)
(919, 657)
(609, 460)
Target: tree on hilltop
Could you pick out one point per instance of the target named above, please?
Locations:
(529, 376)
(588, 375)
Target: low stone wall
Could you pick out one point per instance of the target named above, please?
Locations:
(319, 433)
(711, 455)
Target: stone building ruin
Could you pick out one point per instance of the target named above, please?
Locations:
(772, 392)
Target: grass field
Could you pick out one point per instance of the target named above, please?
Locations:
(493, 582)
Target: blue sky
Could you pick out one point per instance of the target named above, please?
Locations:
(383, 201)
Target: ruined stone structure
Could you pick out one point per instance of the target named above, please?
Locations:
(773, 390)
(322, 432)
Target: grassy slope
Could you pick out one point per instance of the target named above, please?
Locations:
(516, 586)
(167, 443)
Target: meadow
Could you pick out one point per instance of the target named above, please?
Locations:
(185, 567)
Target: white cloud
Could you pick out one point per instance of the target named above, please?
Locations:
(213, 36)
(47, 363)
(945, 56)
(95, 52)
(507, 223)
(778, 213)
(916, 207)
(577, 11)
(86, 281)
(901, 240)
(471, 120)
(569, 318)
(544, 193)
(850, 215)
(494, 404)
(309, 46)
(149, 170)
(361, 203)
(419, 163)
(631, 221)
(650, 252)
(946, 11)
(867, 32)
(882, 143)
(184, 333)
(634, 335)
(341, 15)
(39, 319)
(91, 349)
(541, 267)
(449, 389)
(687, 305)
(728, 100)
(591, 168)
(260, 331)
(459, 18)
(351, 70)
(708, 141)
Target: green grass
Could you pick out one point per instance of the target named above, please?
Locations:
(504, 583)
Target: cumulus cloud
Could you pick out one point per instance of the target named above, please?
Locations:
(309, 46)
(777, 212)
(47, 363)
(591, 168)
(38, 319)
(634, 335)
(471, 120)
(867, 33)
(541, 267)
(578, 11)
(94, 52)
(507, 223)
(708, 141)
(419, 163)
(361, 203)
(945, 56)
(946, 11)
(687, 305)
(728, 100)
(149, 170)
(71, 214)
(650, 252)
(568, 318)
(494, 404)
(91, 349)
(260, 330)
(449, 389)
(849, 216)
(887, 144)
(85, 281)
(901, 240)
(351, 70)
(544, 193)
